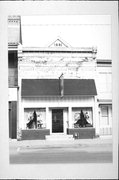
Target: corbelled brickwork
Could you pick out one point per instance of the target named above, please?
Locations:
(52, 65)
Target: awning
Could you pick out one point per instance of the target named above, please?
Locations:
(51, 87)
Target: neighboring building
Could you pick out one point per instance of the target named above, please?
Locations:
(104, 86)
(54, 84)
(13, 41)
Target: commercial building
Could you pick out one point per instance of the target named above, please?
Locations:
(55, 85)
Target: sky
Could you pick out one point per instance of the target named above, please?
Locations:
(75, 30)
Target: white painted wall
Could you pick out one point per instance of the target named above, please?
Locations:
(66, 103)
(104, 83)
(77, 101)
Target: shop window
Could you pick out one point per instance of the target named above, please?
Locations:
(35, 118)
(82, 117)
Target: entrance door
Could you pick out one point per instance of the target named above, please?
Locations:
(57, 120)
(13, 119)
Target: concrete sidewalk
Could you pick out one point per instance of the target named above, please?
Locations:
(66, 143)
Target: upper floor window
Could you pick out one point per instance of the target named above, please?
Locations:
(12, 59)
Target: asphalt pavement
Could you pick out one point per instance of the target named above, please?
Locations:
(98, 150)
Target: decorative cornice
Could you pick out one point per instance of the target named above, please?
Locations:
(56, 50)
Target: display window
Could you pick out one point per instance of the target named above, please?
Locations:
(82, 117)
(35, 118)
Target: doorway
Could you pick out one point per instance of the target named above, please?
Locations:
(57, 121)
(13, 119)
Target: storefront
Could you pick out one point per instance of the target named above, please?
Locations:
(45, 111)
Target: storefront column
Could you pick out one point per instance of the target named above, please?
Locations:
(70, 117)
(47, 118)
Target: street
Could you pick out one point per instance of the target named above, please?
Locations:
(77, 151)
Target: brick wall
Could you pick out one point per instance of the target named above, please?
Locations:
(53, 67)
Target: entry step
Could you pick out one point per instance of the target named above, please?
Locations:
(60, 137)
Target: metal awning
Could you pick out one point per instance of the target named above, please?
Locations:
(51, 87)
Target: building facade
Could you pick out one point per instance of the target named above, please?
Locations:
(104, 85)
(59, 85)
(13, 42)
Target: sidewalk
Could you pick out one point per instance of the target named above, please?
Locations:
(66, 143)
